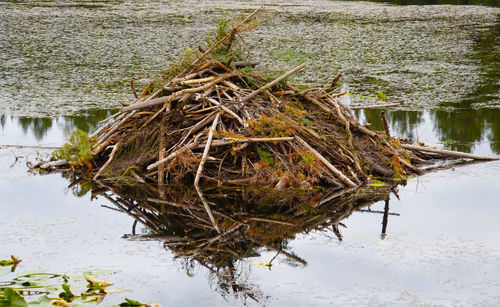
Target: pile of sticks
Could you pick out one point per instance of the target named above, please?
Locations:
(229, 124)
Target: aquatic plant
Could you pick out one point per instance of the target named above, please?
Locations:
(48, 289)
(77, 149)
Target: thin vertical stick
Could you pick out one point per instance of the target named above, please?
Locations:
(385, 218)
(161, 167)
(386, 124)
(200, 170)
(111, 156)
(207, 149)
(234, 30)
(161, 153)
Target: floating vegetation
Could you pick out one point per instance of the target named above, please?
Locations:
(49, 289)
(13, 261)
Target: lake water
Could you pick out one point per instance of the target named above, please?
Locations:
(67, 65)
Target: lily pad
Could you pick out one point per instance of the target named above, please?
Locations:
(12, 298)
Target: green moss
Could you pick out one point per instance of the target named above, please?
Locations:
(308, 157)
(265, 154)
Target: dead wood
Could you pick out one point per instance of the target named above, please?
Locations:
(263, 131)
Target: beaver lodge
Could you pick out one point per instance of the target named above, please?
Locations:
(212, 118)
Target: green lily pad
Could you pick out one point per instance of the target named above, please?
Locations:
(12, 298)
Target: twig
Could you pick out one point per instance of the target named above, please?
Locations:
(227, 110)
(30, 146)
(260, 219)
(137, 177)
(111, 156)
(227, 36)
(273, 83)
(15, 156)
(207, 149)
(203, 80)
(386, 124)
(198, 126)
(174, 154)
(228, 141)
(146, 104)
(200, 170)
(448, 152)
(408, 165)
(338, 173)
(132, 87)
(53, 163)
(335, 80)
(166, 107)
(376, 106)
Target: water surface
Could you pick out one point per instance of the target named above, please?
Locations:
(68, 64)
(61, 57)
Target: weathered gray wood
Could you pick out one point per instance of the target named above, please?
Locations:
(448, 152)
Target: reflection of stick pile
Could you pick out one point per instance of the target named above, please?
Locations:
(248, 222)
(247, 219)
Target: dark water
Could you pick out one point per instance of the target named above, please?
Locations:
(66, 65)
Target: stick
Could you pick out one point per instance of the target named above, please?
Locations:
(146, 104)
(273, 83)
(177, 95)
(137, 177)
(30, 146)
(376, 106)
(228, 141)
(132, 87)
(53, 163)
(386, 124)
(412, 167)
(15, 156)
(198, 126)
(200, 170)
(227, 36)
(338, 94)
(166, 106)
(161, 169)
(174, 154)
(335, 80)
(227, 110)
(245, 63)
(319, 104)
(100, 144)
(261, 219)
(207, 207)
(338, 173)
(111, 156)
(448, 152)
(203, 80)
(207, 149)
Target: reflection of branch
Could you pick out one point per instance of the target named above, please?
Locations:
(385, 218)
(377, 211)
